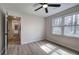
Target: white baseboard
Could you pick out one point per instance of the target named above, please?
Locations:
(30, 41)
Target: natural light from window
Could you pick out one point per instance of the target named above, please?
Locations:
(54, 50)
(67, 25)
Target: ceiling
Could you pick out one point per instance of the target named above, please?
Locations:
(30, 7)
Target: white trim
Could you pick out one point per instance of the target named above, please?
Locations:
(30, 41)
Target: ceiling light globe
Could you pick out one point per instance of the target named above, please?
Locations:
(45, 6)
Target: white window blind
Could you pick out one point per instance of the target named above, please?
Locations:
(66, 25)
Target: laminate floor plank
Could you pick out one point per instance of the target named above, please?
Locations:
(42, 47)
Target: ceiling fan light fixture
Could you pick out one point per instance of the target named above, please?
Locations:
(45, 6)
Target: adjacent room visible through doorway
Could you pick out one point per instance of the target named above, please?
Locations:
(14, 30)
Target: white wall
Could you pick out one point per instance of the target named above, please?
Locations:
(70, 42)
(32, 27)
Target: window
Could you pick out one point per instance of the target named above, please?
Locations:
(57, 22)
(69, 20)
(69, 25)
(72, 28)
(56, 30)
(66, 25)
(57, 26)
(77, 25)
(69, 30)
(77, 19)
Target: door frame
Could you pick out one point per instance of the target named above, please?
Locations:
(6, 32)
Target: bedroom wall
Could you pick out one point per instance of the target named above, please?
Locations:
(71, 42)
(32, 27)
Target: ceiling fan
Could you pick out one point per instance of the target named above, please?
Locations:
(46, 5)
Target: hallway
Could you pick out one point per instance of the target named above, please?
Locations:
(42, 47)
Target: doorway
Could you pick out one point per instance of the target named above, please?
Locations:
(14, 30)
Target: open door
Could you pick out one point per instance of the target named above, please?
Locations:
(14, 30)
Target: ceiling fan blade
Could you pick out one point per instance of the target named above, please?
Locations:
(54, 5)
(38, 8)
(46, 10)
(41, 3)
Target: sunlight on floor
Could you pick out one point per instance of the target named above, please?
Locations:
(50, 46)
(47, 48)
(53, 50)
(62, 52)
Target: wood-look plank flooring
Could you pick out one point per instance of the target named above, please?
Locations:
(42, 47)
